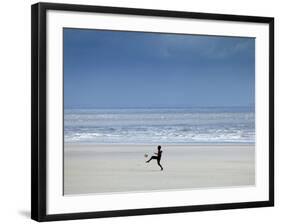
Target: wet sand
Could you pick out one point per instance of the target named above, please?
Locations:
(90, 169)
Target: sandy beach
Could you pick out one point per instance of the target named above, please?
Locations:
(122, 168)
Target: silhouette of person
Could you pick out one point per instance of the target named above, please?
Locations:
(157, 157)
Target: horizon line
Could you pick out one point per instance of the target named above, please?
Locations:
(185, 107)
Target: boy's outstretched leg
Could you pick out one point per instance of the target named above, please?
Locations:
(152, 157)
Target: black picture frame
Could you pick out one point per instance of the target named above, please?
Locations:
(39, 122)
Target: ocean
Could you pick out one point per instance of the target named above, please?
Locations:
(160, 125)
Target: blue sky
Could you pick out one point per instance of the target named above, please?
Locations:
(109, 69)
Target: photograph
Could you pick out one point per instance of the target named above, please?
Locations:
(140, 111)
(152, 111)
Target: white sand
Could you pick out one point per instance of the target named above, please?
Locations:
(122, 168)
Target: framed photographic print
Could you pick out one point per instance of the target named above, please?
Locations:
(139, 111)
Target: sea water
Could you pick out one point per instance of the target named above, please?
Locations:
(160, 125)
